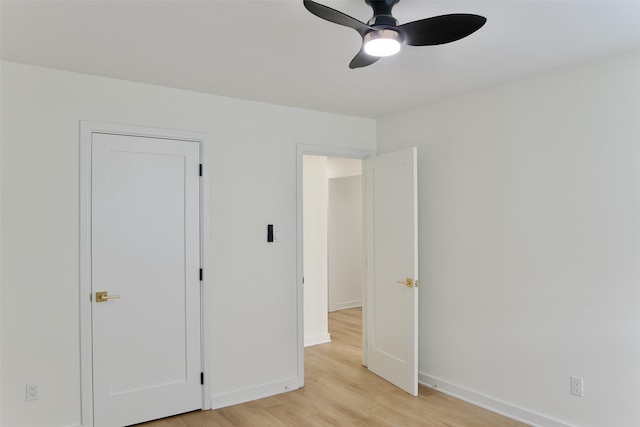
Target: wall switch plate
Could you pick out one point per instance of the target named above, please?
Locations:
(33, 392)
(272, 234)
(576, 386)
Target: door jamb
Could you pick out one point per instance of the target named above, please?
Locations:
(87, 128)
(318, 150)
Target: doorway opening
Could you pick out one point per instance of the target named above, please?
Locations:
(322, 308)
(390, 297)
(333, 241)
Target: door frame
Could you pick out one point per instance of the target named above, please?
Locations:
(319, 150)
(87, 128)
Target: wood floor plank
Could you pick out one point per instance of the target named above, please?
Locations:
(339, 391)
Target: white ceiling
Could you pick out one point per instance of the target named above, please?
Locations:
(277, 52)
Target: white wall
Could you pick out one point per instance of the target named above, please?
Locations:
(340, 167)
(345, 251)
(530, 242)
(345, 247)
(315, 202)
(253, 297)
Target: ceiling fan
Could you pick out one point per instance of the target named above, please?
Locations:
(382, 36)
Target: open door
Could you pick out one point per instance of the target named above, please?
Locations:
(391, 220)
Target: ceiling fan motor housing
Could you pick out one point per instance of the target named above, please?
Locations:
(382, 7)
(382, 13)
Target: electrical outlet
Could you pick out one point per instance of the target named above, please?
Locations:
(33, 392)
(576, 386)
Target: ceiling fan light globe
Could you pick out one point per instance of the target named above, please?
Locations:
(382, 43)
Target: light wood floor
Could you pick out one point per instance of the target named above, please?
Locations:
(339, 391)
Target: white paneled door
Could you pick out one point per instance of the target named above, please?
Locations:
(392, 268)
(145, 254)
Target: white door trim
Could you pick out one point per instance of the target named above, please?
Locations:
(316, 150)
(87, 128)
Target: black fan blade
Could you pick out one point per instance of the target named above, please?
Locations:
(336, 17)
(441, 29)
(362, 59)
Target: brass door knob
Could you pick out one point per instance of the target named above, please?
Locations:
(409, 283)
(104, 296)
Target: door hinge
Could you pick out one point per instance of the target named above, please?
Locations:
(202, 378)
(200, 169)
(201, 275)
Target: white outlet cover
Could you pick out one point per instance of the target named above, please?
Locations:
(32, 391)
(577, 386)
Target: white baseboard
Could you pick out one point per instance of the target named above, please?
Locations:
(486, 402)
(350, 304)
(254, 393)
(317, 339)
